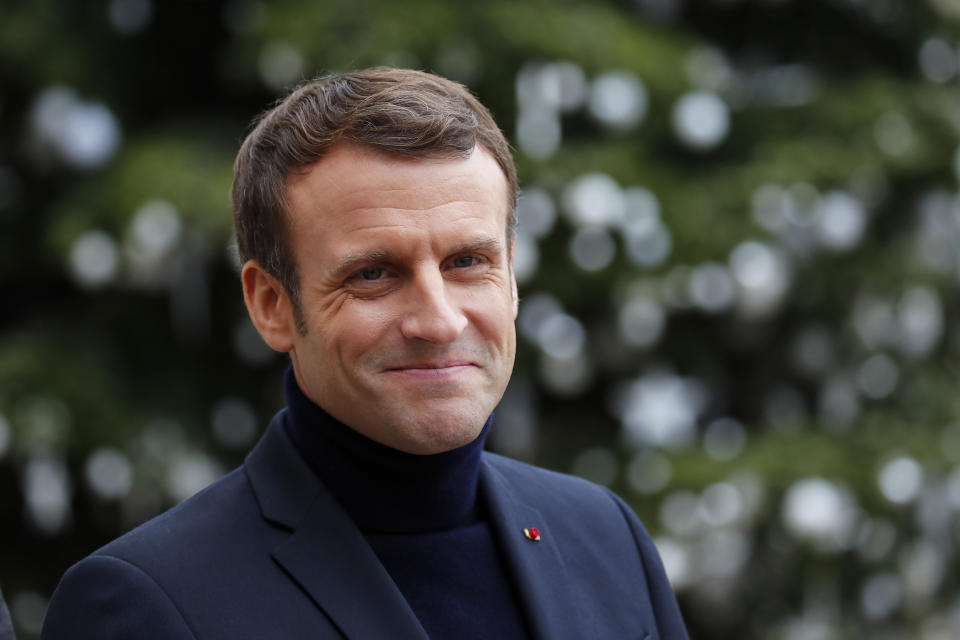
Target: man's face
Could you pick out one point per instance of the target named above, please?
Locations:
(407, 292)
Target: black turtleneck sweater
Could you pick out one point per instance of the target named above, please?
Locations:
(423, 518)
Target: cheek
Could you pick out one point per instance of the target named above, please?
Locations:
(495, 321)
(358, 329)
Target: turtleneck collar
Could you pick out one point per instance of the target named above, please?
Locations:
(383, 489)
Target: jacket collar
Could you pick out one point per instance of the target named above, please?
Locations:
(536, 566)
(329, 558)
(325, 553)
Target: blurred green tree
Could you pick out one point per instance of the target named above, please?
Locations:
(737, 251)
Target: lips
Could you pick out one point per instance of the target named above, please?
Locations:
(432, 364)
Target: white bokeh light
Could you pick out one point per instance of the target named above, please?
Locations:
(46, 492)
(920, 317)
(189, 473)
(108, 473)
(82, 134)
(721, 504)
(922, 569)
(526, 256)
(234, 422)
(592, 248)
(539, 132)
(662, 409)
(531, 92)
(566, 375)
(535, 310)
(701, 119)
(555, 86)
(819, 511)
(762, 275)
(680, 513)
(280, 65)
(900, 480)
(154, 233)
(594, 199)
(94, 259)
(712, 287)
(641, 321)
(561, 336)
(938, 60)
(840, 221)
(894, 134)
(536, 212)
(568, 84)
(880, 595)
(641, 209)
(618, 99)
(767, 207)
(648, 248)
(937, 231)
(878, 376)
(648, 472)
(156, 227)
(92, 135)
(724, 439)
(723, 553)
(676, 562)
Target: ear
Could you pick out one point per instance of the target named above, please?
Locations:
(269, 306)
(513, 278)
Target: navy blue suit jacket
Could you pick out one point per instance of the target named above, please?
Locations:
(267, 552)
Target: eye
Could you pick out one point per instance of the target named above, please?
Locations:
(371, 274)
(462, 262)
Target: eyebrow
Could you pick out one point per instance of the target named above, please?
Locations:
(354, 261)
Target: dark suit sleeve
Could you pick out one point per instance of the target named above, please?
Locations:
(6, 624)
(665, 608)
(106, 598)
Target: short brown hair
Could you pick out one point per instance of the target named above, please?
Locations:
(394, 111)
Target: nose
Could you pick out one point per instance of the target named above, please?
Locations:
(431, 314)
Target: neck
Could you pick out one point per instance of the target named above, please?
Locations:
(385, 490)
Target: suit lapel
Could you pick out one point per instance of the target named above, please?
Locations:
(331, 560)
(325, 553)
(536, 566)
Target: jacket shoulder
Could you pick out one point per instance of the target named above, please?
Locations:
(106, 597)
(205, 516)
(543, 486)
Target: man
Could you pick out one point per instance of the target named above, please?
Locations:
(373, 214)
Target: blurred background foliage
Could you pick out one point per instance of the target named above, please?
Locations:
(737, 252)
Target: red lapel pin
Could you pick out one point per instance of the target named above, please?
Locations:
(532, 534)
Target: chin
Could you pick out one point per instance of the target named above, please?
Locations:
(441, 433)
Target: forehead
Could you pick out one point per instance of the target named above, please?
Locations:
(352, 180)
